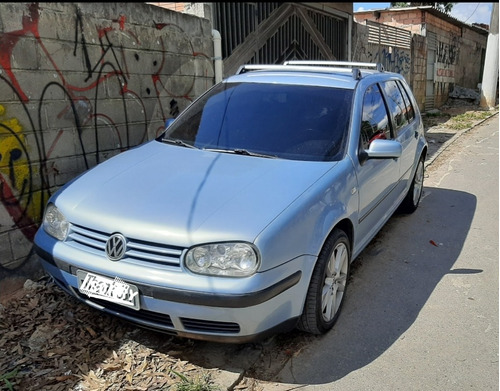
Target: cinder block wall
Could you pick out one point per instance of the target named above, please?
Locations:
(419, 69)
(393, 59)
(459, 50)
(79, 83)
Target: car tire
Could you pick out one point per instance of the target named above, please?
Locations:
(328, 285)
(412, 199)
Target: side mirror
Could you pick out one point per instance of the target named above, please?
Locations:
(382, 149)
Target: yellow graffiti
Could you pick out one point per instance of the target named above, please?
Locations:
(14, 166)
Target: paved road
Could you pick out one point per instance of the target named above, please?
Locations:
(422, 307)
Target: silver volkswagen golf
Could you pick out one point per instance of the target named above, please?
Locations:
(242, 219)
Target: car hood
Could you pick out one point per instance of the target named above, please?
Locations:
(181, 196)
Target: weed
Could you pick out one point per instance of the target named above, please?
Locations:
(203, 383)
(472, 115)
(461, 125)
(466, 120)
(7, 377)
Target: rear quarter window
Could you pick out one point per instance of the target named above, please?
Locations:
(410, 112)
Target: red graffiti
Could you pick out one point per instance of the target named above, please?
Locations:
(80, 103)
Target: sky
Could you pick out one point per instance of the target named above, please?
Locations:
(466, 12)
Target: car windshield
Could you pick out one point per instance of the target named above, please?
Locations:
(275, 120)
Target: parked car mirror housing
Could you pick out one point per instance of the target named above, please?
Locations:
(382, 149)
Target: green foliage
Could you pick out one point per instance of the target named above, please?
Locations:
(6, 379)
(443, 7)
(466, 120)
(203, 383)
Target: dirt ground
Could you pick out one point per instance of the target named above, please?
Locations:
(49, 341)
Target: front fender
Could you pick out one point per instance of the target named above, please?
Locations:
(304, 226)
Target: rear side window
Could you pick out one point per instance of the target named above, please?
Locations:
(395, 103)
(410, 112)
(375, 121)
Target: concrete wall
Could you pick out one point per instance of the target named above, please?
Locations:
(393, 59)
(418, 69)
(79, 83)
(448, 46)
(471, 57)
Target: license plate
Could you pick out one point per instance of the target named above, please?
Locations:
(115, 291)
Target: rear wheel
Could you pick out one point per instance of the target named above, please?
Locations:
(328, 285)
(412, 199)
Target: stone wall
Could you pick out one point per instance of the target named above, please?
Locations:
(79, 83)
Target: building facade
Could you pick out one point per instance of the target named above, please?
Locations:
(454, 51)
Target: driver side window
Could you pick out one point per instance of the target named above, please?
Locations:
(375, 121)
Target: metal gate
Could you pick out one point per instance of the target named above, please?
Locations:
(271, 33)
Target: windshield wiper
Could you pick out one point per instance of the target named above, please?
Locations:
(177, 142)
(248, 153)
(239, 151)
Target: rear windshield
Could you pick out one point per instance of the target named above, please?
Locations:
(279, 120)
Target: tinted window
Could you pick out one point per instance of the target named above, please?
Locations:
(375, 122)
(395, 103)
(287, 121)
(410, 113)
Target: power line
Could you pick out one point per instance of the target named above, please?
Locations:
(473, 12)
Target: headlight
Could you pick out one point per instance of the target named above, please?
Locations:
(54, 222)
(223, 259)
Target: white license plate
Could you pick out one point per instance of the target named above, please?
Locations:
(115, 291)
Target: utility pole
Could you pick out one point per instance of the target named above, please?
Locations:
(490, 73)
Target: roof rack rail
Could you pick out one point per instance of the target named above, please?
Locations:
(354, 66)
(256, 67)
(350, 64)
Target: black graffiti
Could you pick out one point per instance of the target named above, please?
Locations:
(174, 108)
(446, 53)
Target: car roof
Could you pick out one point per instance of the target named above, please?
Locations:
(340, 74)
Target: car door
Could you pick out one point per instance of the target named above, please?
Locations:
(377, 178)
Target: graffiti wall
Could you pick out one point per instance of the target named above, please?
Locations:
(393, 59)
(79, 83)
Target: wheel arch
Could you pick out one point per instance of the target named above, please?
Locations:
(347, 227)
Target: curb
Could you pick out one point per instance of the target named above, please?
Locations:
(453, 139)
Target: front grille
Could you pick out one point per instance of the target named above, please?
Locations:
(145, 315)
(95, 241)
(210, 326)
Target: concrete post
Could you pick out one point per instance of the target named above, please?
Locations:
(490, 73)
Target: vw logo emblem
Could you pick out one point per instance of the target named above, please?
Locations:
(116, 247)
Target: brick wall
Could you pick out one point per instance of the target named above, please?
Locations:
(79, 83)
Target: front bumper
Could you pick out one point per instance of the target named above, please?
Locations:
(226, 313)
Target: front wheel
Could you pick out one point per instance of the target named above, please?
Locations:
(412, 199)
(328, 285)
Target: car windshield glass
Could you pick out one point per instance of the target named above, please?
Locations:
(279, 120)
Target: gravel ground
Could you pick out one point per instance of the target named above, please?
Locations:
(49, 341)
